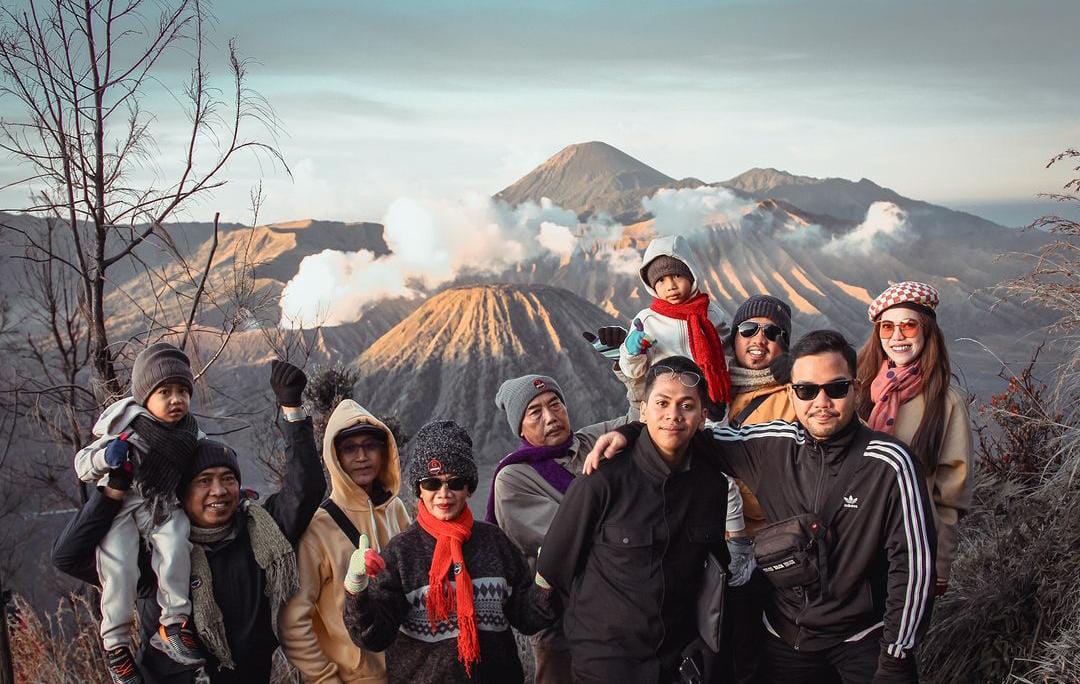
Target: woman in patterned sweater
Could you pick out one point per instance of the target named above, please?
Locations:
(442, 597)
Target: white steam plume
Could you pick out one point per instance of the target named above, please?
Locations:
(430, 244)
(687, 210)
(885, 224)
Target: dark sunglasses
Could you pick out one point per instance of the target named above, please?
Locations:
(772, 332)
(687, 378)
(434, 484)
(909, 327)
(834, 390)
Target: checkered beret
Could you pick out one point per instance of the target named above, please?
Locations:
(909, 292)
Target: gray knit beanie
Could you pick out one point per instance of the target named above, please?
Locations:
(441, 446)
(665, 265)
(764, 306)
(210, 454)
(157, 364)
(514, 397)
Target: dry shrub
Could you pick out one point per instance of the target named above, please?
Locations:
(1021, 438)
(60, 647)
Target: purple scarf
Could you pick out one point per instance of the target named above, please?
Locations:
(542, 459)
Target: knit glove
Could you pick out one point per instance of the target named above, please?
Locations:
(742, 564)
(288, 383)
(637, 341)
(895, 670)
(364, 564)
(607, 340)
(117, 452)
(120, 478)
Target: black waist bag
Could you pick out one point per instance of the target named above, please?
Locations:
(794, 552)
(787, 551)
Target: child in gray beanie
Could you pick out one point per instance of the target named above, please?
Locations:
(149, 440)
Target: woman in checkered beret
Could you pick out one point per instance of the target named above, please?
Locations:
(909, 392)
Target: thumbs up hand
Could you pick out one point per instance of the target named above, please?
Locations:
(364, 564)
(637, 341)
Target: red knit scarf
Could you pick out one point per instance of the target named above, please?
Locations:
(891, 388)
(449, 536)
(705, 344)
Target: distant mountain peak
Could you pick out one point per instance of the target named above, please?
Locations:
(590, 178)
(598, 159)
(759, 180)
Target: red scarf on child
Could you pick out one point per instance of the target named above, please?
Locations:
(705, 344)
(449, 536)
(892, 388)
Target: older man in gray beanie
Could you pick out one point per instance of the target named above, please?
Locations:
(530, 483)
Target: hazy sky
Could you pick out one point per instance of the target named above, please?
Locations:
(959, 103)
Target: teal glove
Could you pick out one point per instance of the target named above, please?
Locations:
(637, 342)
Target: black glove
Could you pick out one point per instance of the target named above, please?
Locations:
(120, 478)
(607, 340)
(780, 367)
(611, 335)
(288, 383)
(895, 670)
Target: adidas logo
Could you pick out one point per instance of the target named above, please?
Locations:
(851, 501)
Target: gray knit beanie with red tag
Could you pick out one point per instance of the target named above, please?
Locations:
(157, 364)
(665, 265)
(441, 447)
(515, 394)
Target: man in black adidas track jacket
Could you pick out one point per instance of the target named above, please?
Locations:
(881, 562)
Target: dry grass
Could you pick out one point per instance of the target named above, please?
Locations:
(59, 647)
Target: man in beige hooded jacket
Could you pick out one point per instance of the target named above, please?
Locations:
(362, 458)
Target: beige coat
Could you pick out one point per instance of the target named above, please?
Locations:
(313, 632)
(950, 484)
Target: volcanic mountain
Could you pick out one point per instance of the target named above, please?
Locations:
(593, 178)
(449, 357)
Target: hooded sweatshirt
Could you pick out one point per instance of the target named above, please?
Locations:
(313, 632)
(670, 336)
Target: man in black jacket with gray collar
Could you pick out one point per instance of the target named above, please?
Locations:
(627, 547)
(243, 557)
(863, 618)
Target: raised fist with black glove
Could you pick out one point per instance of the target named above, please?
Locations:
(607, 340)
(288, 382)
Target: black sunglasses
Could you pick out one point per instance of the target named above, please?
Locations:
(772, 332)
(434, 484)
(837, 389)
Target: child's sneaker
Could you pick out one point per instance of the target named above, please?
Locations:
(122, 668)
(178, 642)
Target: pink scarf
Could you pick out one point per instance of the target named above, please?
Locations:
(890, 389)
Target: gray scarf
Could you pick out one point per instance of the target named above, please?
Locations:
(162, 464)
(273, 553)
(746, 380)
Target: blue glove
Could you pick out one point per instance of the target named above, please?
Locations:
(637, 341)
(116, 453)
(742, 564)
